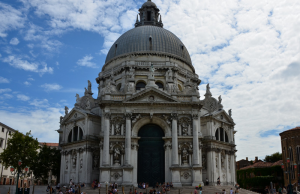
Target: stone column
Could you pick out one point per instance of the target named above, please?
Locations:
(128, 139)
(105, 161)
(174, 140)
(220, 165)
(224, 134)
(69, 165)
(77, 164)
(62, 167)
(227, 168)
(195, 139)
(210, 166)
(134, 163)
(219, 134)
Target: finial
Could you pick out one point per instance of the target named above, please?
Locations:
(208, 93)
(137, 18)
(160, 18)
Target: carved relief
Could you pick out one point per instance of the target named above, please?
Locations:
(117, 149)
(185, 149)
(74, 158)
(229, 160)
(186, 174)
(117, 122)
(116, 175)
(117, 156)
(136, 118)
(185, 124)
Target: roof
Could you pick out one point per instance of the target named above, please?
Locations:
(8, 127)
(149, 3)
(263, 165)
(49, 144)
(137, 41)
(293, 129)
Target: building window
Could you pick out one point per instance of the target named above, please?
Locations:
(149, 15)
(160, 85)
(9, 133)
(76, 134)
(221, 135)
(10, 181)
(1, 143)
(291, 156)
(2, 129)
(140, 85)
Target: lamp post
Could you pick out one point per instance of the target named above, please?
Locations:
(290, 187)
(18, 171)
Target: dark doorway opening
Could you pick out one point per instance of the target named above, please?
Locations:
(151, 155)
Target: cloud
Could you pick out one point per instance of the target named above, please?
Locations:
(30, 79)
(6, 96)
(5, 90)
(23, 97)
(3, 80)
(14, 41)
(39, 103)
(27, 66)
(86, 61)
(51, 87)
(11, 19)
(27, 83)
(34, 121)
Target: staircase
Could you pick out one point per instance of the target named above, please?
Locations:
(182, 190)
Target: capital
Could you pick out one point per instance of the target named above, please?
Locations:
(174, 116)
(128, 115)
(107, 115)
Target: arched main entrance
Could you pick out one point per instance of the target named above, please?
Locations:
(151, 155)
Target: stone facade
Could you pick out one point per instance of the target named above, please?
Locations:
(157, 85)
(290, 145)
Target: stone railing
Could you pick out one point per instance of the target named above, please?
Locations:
(184, 98)
(117, 97)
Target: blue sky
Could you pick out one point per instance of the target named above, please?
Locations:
(49, 49)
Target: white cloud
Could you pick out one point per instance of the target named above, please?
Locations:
(11, 18)
(14, 41)
(3, 80)
(5, 90)
(27, 83)
(5, 96)
(30, 79)
(34, 120)
(86, 61)
(51, 87)
(23, 97)
(27, 66)
(39, 103)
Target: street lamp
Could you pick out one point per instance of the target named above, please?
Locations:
(290, 186)
(18, 171)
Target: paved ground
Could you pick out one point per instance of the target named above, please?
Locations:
(185, 190)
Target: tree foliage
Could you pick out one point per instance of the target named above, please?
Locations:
(48, 159)
(20, 147)
(273, 158)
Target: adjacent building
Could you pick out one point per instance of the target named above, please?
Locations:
(290, 145)
(147, 123)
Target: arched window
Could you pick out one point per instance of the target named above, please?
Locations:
(140, 85)
(76, 134)
(119, 86)
(291, 156)
(221, 135)
(160, 85)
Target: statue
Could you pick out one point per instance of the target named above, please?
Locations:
(136, 118)
(130, 87)
(74, 160)
(66, 110)
(85, 91)
(131, 72)
(220, 99)
(185, 156)
(204, 161)
(77, 98)
(89, 87)
(95, 161)
(88, 104)
(169, 74)
(61, 119)
(117, 155)
(184, 128)
(108, 87)
(117, 129)
(230, 112)
(152, 69)
(208, 93)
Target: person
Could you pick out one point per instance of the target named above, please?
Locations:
(280, 190)
(231, 191)
(195, 191)
(99, 185)
(206, 181)
(71, 182)
(224, 192)
(284, 190)
(218, 181)
(144, 186)
(130, 192)
(200, 186)
(58, 186)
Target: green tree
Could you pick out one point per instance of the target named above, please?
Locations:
(273, 158)
(20, 147)
(47, 160)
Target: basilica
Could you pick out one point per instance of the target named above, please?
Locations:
(148, 122)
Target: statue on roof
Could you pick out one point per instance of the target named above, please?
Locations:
(220, 99)
(66, 110)
(89, 86)
(230, 112)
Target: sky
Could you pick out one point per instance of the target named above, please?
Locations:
(247, 50)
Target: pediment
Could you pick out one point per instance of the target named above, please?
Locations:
(151, 95)
(74, 115)
(223, 116)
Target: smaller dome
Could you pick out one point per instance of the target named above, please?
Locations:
(149, 3)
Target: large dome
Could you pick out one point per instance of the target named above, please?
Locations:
(149, 39)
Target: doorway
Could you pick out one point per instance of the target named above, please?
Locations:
(151, 155)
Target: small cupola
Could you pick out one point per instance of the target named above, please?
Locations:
(149, 15)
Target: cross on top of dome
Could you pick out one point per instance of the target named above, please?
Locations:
(149, 15)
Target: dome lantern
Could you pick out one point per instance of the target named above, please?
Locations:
(149, 15)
